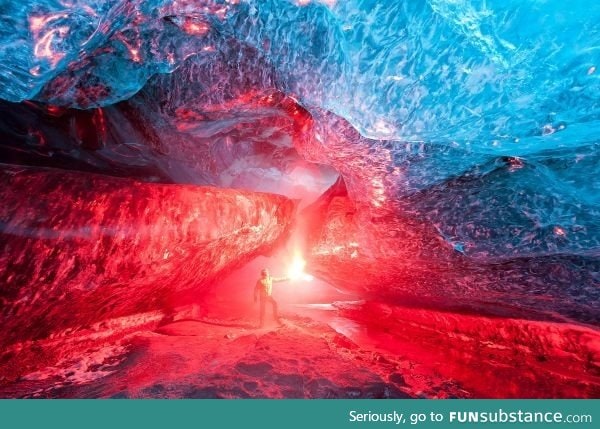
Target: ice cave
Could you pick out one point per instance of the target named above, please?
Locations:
(424, 176)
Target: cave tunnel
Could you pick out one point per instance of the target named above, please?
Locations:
(423, 176)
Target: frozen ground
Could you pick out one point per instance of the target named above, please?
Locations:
(324, 351)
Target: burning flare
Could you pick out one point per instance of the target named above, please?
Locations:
(296, 269)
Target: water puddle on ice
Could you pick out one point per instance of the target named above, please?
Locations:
(326, 313)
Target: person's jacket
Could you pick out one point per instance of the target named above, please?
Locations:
(264, 286)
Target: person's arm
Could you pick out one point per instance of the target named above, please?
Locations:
(279, 279)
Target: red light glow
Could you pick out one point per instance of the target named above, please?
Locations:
(197, 28)
(296, 269)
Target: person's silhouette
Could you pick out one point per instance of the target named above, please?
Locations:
(263, 291)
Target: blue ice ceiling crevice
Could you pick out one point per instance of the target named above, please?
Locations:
(493, 76)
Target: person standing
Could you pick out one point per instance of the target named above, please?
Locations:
(264, 290)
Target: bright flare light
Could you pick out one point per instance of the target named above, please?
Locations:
(296, 270)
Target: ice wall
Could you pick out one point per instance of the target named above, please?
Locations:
(465, 132)
(77, 249)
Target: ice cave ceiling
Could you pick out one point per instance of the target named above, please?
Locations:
(446, 149)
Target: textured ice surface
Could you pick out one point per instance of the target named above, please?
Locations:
(77, 249)
(458, 79)
(465, 132)
(494, 76)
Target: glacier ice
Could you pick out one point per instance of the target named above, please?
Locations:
(461, 129)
